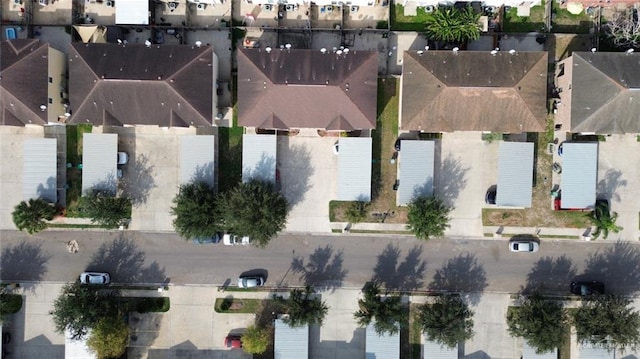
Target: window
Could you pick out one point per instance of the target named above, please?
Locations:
(50, 79)
(50, 100)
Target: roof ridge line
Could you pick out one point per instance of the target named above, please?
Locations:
(189, 63)
(600, 71)
(185, 101)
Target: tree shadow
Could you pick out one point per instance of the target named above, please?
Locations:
(49, 192)
(550, 274)
(299, 170)
(450, 179)
(107, 186)
(138, 181)
(264, 170)
(406, 275)
(618, 266)
(23, 261)
(323, 270)
(125, 262)
(203, 173)
(461, 274)
(607, 186)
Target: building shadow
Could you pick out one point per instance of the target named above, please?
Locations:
(450, 180)
(125, 262)
(299, 170)
(323, 270)
(462, 274)
(550, 275)
(618, 266)
(23, 261)
(395, 275)
(187, 349)
(138, 181)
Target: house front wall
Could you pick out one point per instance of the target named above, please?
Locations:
(56, 85)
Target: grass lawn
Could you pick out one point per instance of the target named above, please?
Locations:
(565, 22)
(149, 304)
(415, 333)
(540, 214)
(237, 305)
(383, 173)
(230, 155)
(518, 24)
(74, 174)
(399, 22)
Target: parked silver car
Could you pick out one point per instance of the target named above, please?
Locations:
(95, 278)
(251, 281)
(523, 246)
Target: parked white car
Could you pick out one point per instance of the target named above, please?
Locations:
(233, 240)
(95, 278)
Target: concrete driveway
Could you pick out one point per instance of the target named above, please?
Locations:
(151, 178)
(619, 181)
(308, 175)
(459, 181)
(12, 140)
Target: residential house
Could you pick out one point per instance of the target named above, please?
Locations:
(135, 84)
(497, 91)
(597, 93)
(288, 89)
(32, 83)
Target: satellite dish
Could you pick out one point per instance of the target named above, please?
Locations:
(147, 43)
(287, 46)
(323, 50)
(119, 41)
(455, 49)
(281, 47)
(67, 114)
(630, 51)
(494, 52)
(420, 52)
(593, 49)
(198, 43)
(339, 52)
(346, 51)
(497, 49)
(334, 49)
(512, 52)
(426, 48)
(43, 108)
(267, 49)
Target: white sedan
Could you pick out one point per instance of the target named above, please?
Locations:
(524, 246)
(233, 240)
(95, 278)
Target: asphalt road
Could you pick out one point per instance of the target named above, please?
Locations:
(399, 262)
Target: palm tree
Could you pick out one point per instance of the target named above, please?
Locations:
(30, 216)
(604, 220)
(303, 309)
(453, 25)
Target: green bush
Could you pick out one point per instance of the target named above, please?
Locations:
(151, 305)
(10, 304)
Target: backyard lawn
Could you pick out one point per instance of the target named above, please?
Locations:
(522, 24)
(562, 21)
(399, 22)
(74, 174)
(230, 155)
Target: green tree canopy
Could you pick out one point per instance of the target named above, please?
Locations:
(542, 323)
(255, 209)
(196, 211)
(256, 340)
(109, 338)
(80, 307)
(604, 220)
(427, 217)
(448, 321)
(105, 209)
(387, 314)
(608, 320)
(31, 216)
(453, 25)
(303, 309)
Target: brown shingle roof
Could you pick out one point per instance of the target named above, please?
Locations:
(443, 91)
(24, 67)
(166, 85)
(307, 89)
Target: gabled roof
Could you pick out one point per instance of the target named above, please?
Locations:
(166, 85)
(295, 88)
(445, 91)
(24, 69)
(604, 92)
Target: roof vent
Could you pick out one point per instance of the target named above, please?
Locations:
(593, 49)
(147, 43)
(198, 43)
(267, 49)
(494, 52)
(630, 51)
(512, 52)
(323, 50)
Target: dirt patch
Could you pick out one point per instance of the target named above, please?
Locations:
(565, 44)
(505, 218)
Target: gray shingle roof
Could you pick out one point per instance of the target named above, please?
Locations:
(166, 85)
(604, 96)
(24, 68)
(307, 89)
(443, 91)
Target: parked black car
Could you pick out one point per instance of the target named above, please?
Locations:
(587, 288)
(490, 197)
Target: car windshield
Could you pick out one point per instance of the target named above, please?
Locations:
(95, 279)
(250, 282)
